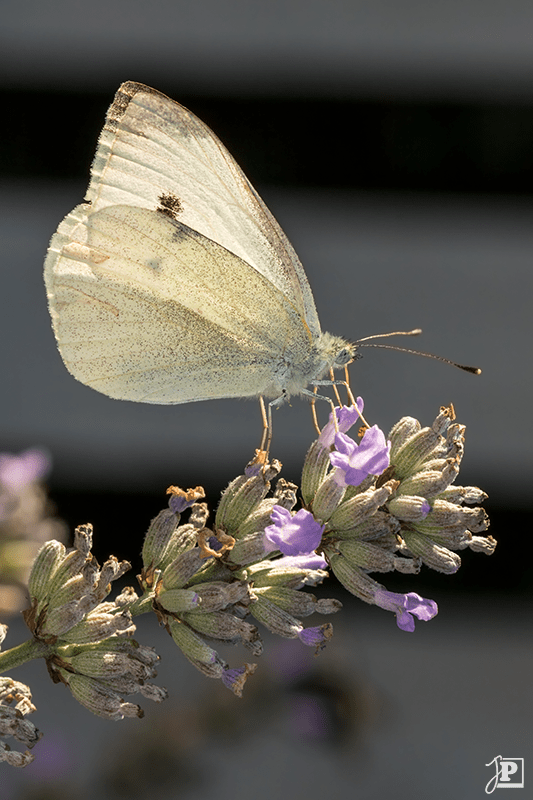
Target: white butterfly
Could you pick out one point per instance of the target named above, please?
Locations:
(174, 282)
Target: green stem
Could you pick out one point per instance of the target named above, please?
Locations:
(33, 648)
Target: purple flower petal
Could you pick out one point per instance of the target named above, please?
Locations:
(426, 508)
(355, 462)
(405, 606)
(178, 504)
(309, 561)
(181, 499)
(231, 676)
(316, 637)
(294, 535)
(346, 417)
(235, 679)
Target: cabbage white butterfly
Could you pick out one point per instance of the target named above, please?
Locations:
(173, 282)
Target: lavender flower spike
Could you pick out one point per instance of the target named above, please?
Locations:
(346, 417)
(295, 535)
(355, 462)
(406, 606)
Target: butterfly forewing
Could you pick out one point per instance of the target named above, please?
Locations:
(154, 153)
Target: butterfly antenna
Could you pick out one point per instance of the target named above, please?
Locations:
(415, 332)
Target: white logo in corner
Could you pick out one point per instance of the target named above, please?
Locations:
(509, 774)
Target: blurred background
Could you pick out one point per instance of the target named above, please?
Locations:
(393, 141)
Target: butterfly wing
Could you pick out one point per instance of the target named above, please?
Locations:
(154, 153)
(146, 309)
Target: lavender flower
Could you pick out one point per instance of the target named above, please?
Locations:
(294, 535)
(309, 561)
(406, 606)
(317, 636)
(346, 417)
(235, 679)
(355, 462)
(254, 560)
(180, 500)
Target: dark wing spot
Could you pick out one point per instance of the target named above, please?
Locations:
(170, 205)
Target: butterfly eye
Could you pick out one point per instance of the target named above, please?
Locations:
(344, 356)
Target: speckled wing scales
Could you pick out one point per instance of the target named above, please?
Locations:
(146, 309)
(152, 148)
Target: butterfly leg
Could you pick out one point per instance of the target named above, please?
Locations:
(313, 412)
(266, 438)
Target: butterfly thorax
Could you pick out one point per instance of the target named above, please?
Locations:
(294, 373)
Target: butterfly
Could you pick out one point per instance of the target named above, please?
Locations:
(173, 282)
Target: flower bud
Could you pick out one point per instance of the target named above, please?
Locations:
(158, 537)
(430, 482)
(353, 578)
(181, 570)
(225, 627)
(217, 595)
(327, 498)
(48, 559)
(404, 429)
(409, 508)
(415, 450)
(99, 698)
(314, 470)
(275, 619)
(368, 556)
(354, 511)
(242, 497)
(433, 555)
(178, 600)
(196, 650)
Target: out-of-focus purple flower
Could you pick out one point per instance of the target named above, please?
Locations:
(17, 472)
(346, 417)
(295, 535)
(426, 508)
(308, 716)
(355, 462)
(406, 606)
(308, 561)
